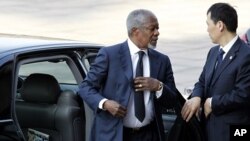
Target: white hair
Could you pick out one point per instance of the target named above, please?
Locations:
(137, 18)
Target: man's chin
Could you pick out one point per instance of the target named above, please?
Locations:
(151, 46)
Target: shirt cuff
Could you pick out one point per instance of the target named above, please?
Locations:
(210, 102)
(100, 106)
(159, 93)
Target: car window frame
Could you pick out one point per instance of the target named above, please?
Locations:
(77, 66)
(69, 61)
(18, 61)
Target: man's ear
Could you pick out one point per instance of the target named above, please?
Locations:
(221, 25)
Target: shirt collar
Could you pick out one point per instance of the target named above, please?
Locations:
(229, 45)
(134, 49)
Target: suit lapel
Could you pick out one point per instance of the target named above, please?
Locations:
(211, 66)
(154, 63)
(126, 63)
(231, 55)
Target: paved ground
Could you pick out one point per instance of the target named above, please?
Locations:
(182, 25)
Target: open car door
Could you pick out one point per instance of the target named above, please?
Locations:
(182, 130)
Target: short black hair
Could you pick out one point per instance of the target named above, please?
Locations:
(225, 13)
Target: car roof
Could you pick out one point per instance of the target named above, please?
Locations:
(10, 43)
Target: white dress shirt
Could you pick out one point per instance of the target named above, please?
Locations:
(228, 46)
(130, 120)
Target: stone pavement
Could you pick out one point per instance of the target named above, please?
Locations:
(183, 35)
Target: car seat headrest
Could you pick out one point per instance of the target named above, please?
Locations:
(40, 88)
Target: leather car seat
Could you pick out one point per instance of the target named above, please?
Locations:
(48, 110)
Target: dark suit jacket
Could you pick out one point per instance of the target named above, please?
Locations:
(182, 130)
(111, 77)
(229, 87)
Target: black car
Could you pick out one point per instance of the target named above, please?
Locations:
(39, 80)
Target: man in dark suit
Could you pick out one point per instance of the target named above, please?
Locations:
(223, 89)
(111, 86)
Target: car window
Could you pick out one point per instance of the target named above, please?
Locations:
(89, 59)
(60, 70)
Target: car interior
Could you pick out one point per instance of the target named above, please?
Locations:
(47, 106)
(48, 110)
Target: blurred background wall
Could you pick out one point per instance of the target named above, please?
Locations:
(183, 36)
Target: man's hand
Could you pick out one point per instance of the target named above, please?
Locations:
(191, 107)
(114, 108)
(146, 83)
(207, 107)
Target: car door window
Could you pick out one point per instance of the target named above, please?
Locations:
(60, 70)
(89, 58)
